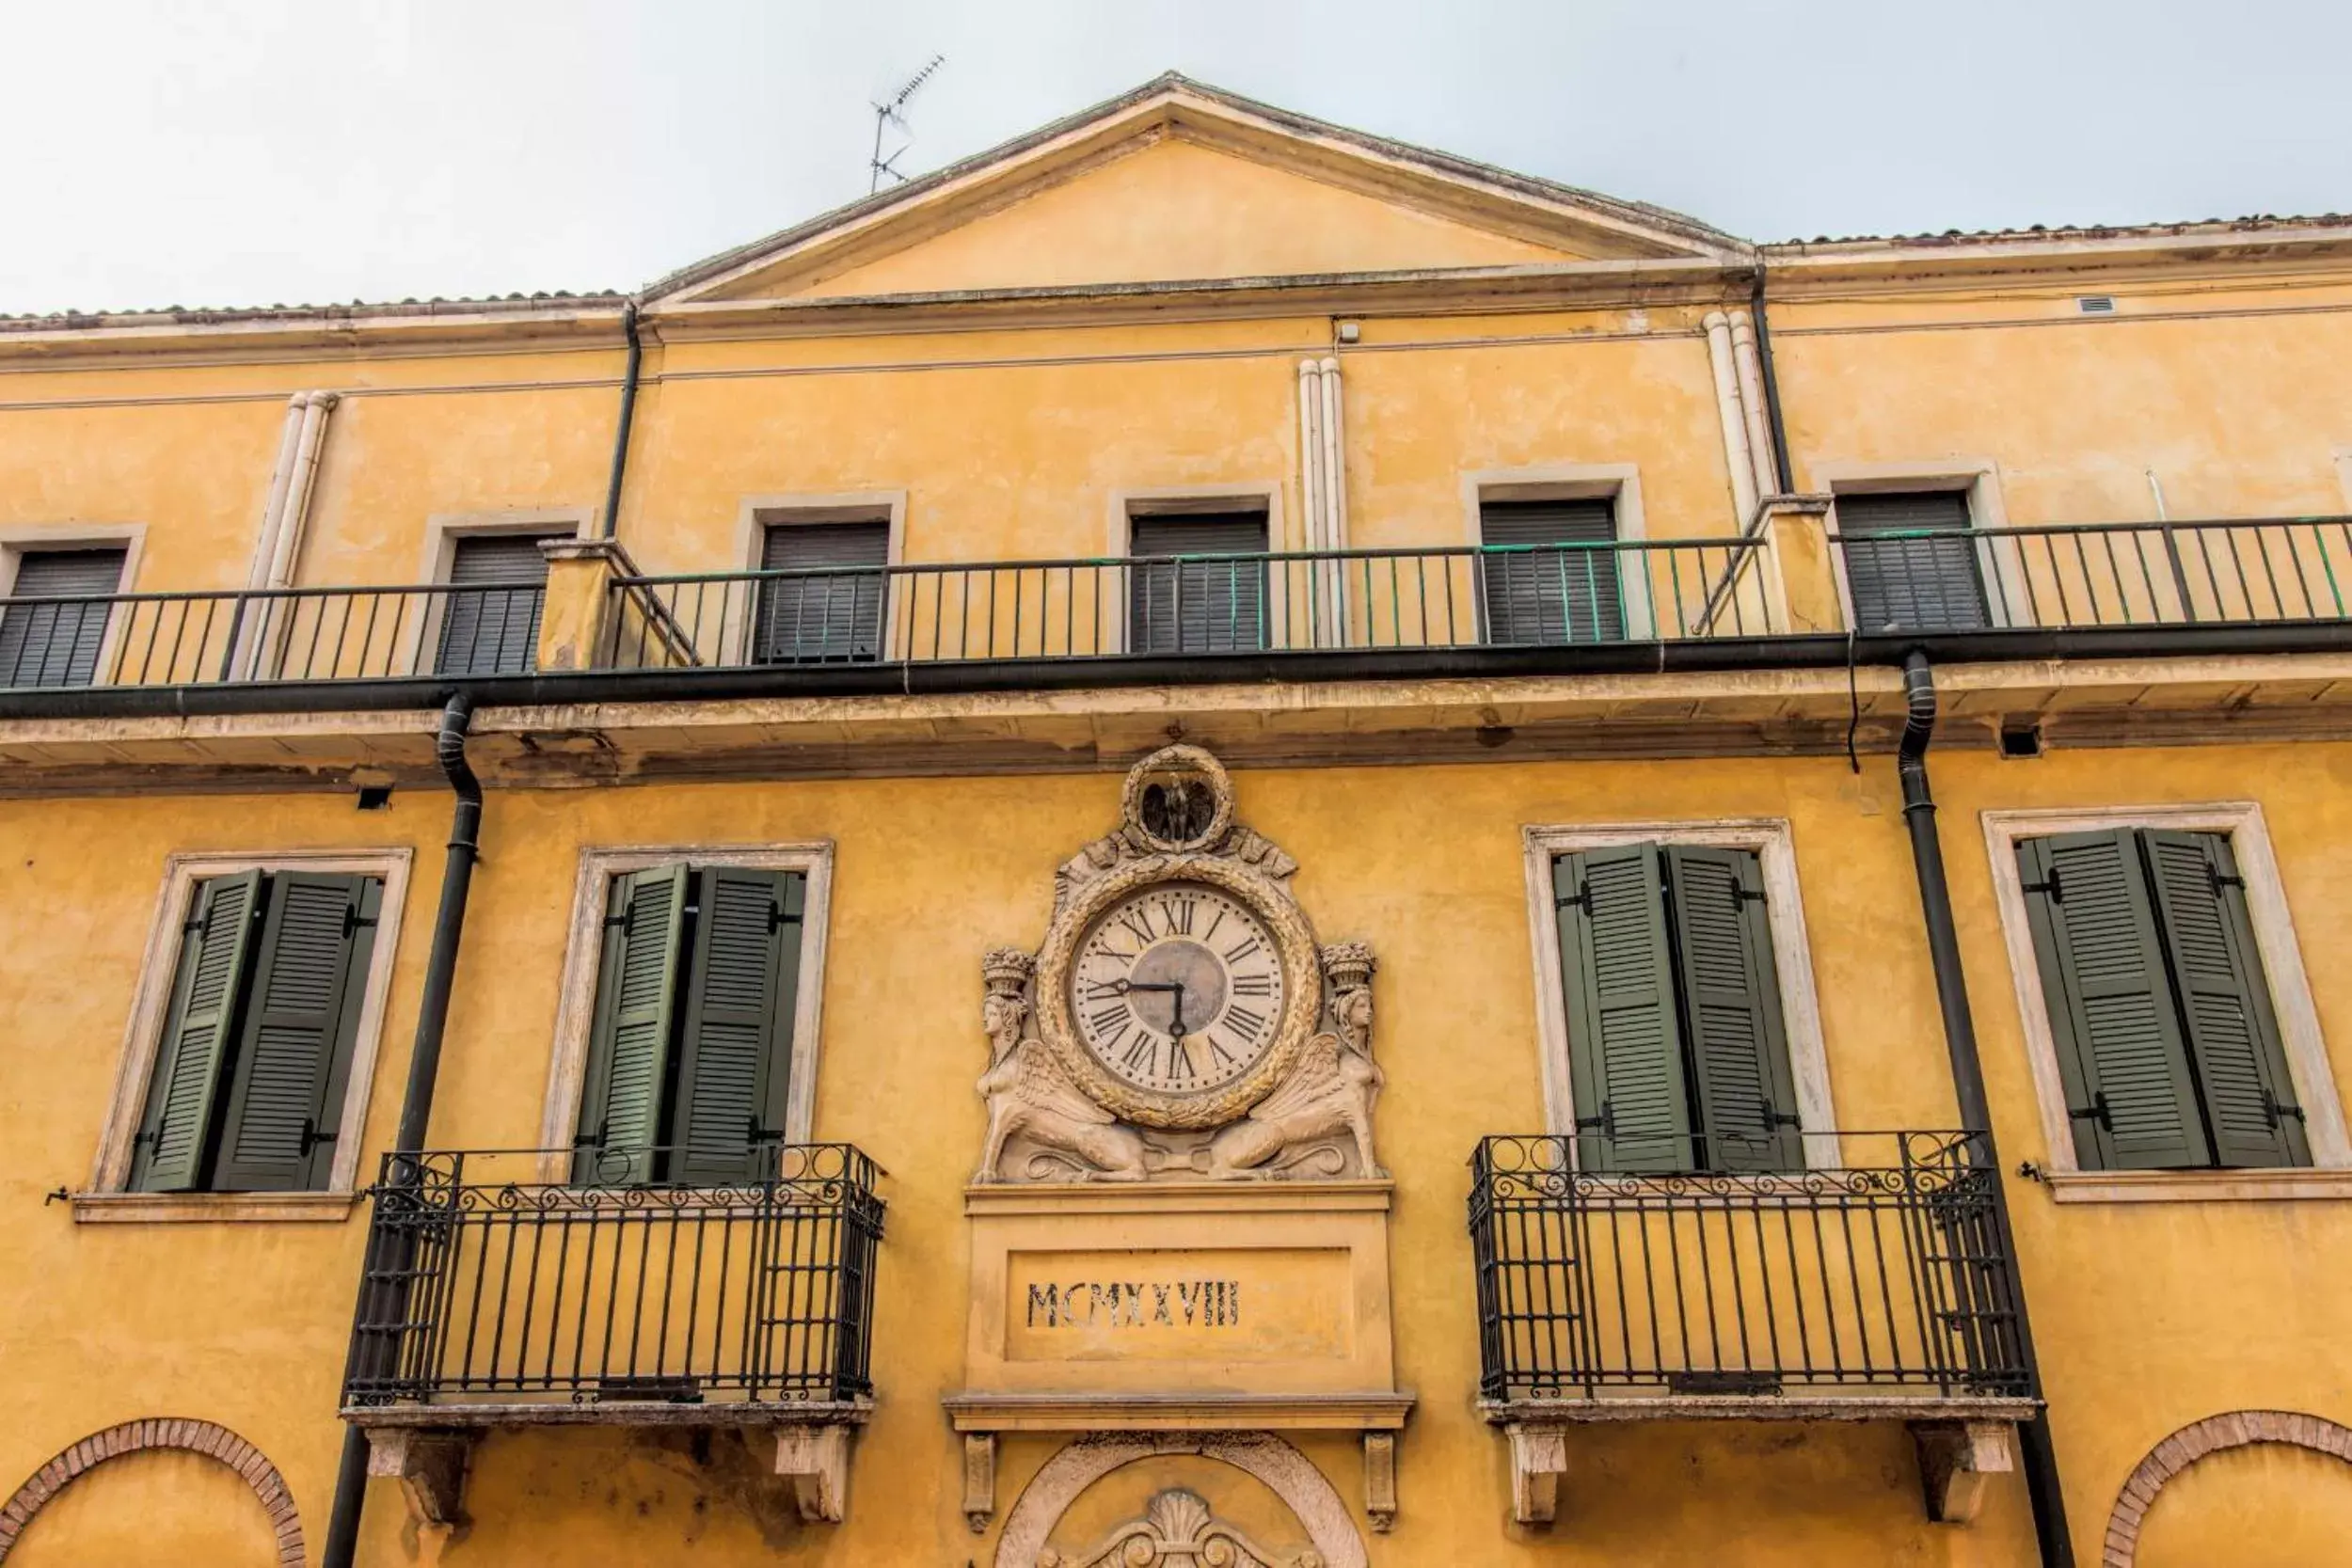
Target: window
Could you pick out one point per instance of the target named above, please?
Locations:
(1911, 584)
(1677, 1052)
(689, 1051)
(491, 626)
(1549, 574)
(2167, 1040)
(1197, 607)
(58, 644)
(830, 618)
(246, 1089)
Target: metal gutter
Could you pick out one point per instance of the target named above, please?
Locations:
(1696, 655)
(424, 1067)
(611, 521)
(1959, 1039)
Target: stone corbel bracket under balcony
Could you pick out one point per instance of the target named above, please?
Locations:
(430, 1448)
(1960, 1441)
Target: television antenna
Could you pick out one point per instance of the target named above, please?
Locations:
(890, 112)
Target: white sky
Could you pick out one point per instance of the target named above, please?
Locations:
(256, 151)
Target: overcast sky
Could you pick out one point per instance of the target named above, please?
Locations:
(256, 151)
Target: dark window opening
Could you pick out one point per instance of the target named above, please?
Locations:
(490, 614)
(58, 643)
(1549, 573)
(1211, 606)
(1931, 582)
(834, 615)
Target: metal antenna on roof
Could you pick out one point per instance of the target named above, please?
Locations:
(888, 113)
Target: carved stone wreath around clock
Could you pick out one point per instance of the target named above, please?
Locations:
(1179, 1020)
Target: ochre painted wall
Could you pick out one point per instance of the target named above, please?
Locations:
(130, 1319)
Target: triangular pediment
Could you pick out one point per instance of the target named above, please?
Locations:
(1178, 181)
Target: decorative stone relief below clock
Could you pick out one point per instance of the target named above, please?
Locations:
(1179, 1021)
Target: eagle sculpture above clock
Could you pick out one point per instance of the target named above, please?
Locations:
(1179, 1021)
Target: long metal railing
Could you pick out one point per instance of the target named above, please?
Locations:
(488, 1282)
(288, 634)
(2237, 572)
(1885, 1275)
(1518, 596)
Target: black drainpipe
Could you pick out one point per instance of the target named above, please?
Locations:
(1960, 1038)
(1781, 470)
(612, 520)
(424, 1067)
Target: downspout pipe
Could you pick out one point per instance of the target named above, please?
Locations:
(1781, 469)
(611, 519)
(1959, 1039)
(424, 1067)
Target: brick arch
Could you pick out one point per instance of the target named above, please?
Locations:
(2192, 1443)
(204, 1437)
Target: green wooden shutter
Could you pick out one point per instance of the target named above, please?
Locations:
(185, 1082)
(1556, 596)
(1747, 1100)
(735, 1062)
(294, 1049)
(1198, 605)
(1625, 1053)
(2121, 1054)
(628, 1052)
(2225, 1000)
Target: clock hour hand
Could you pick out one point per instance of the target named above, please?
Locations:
(1175, 987)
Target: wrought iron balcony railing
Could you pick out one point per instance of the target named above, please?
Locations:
(288, 634)
(487, 1284)
(1885, 1277)
(2253, 571)
(1503, 595)
(2288, 579)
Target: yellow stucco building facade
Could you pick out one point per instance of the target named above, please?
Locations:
(1209, 842)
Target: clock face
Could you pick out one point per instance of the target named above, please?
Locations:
(1177, 989)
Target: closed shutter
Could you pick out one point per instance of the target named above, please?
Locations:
(1911, 584)
(834, 618)
(1196, 607)
(733, 1062)
(58, 644)
(214, 955)
(628, 1052)
(1550, 596)
(2225, 1000)
(1625, 1052)
(1731, 1000)
(2120, 1054)
(493, 628)
(293, 1052)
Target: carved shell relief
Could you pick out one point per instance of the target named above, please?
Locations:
(1179, 1021)
(1177, 1531)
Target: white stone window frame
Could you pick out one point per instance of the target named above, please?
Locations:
(756, 514)
(1620, 483)
(1774, 843)
(1978, 479)
(2330, 1171)
(109, 1196)
(18, 540)
(1178, 500)
(444, 532)
(583, 954)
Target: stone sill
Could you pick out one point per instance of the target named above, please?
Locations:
(1800, 1407)
(211, 1208)
(612, 1413)
(2197, 1186)
(1372, 1410)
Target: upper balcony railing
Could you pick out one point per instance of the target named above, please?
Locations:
(1777, 593)
(1511, 595)
(1884, 1277)
(489, 1284)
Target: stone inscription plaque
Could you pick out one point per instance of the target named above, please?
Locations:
(1237, 1304)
